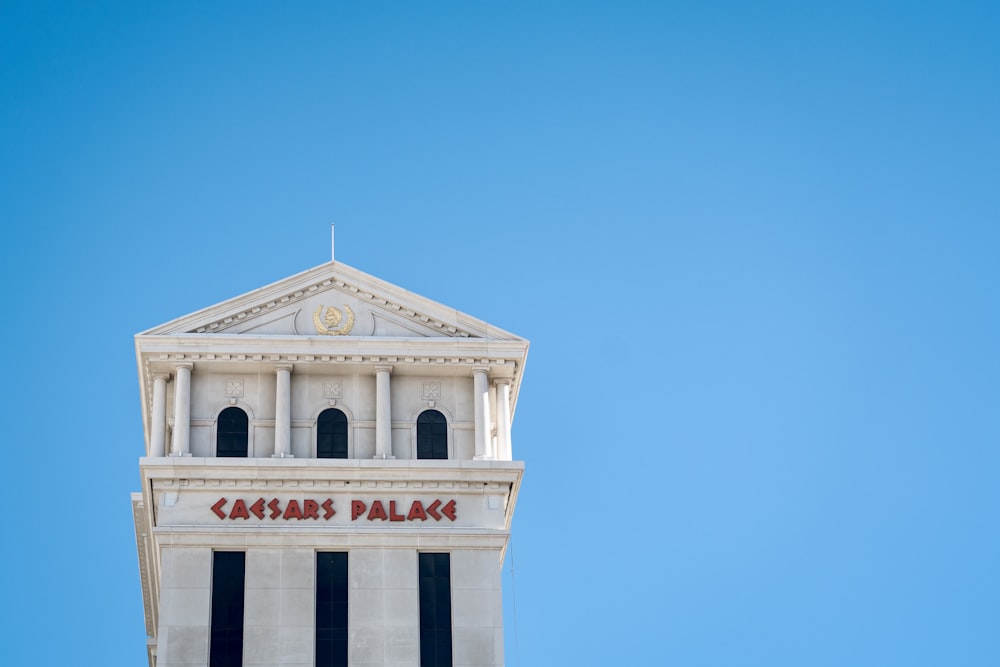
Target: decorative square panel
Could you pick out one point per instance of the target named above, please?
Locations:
(234, 388)
(331, 388)
(432, 391)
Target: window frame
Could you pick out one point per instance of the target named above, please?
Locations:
(430, 627)
(447, 436)
(250, 430)
(315, 432)
(339, 657)
(226, 659)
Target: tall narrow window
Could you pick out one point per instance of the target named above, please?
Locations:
(331, 434)
(432, 435)
(435, 610)
(228, 571)
(331, 609)
(232, 433)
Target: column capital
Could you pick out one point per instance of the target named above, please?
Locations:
(481, 369)
(184, 364)
(499, 381)
(161, 376)
(284, 367)
(383, 367)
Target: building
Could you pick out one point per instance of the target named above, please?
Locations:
(328, 478)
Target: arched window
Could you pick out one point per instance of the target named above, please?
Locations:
(331, 434)
(232, 433)
(432, 435)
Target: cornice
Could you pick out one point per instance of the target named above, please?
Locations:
(330, 474)
(178, 359)
(326, 485)
(385, 346)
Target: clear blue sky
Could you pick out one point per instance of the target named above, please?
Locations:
(754, 246)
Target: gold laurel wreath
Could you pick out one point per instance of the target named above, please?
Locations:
(327, 324)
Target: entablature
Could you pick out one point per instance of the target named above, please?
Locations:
(503, 358)
(279, 494)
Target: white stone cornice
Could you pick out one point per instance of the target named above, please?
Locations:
(318, 470)
(161, 353)
(270, 348)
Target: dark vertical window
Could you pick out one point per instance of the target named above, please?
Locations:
(331, 434)
(228, 571)
(331, 609)
(432, 435)
(435, 610)
(232, 433)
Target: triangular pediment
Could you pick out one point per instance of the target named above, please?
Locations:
(332, 300)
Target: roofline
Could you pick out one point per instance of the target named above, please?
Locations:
(319, 277)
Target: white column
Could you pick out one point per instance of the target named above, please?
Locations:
(283, 411)
(181, 445)
(481, 401)
(503, 420)
(383, 413)
(158, 424)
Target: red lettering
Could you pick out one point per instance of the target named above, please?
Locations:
(275, 507)
(217, 508)
(377, 511)
(292, 511)
(258, 508)
(416, 512)
(310, 509)
(302, 509)
(239, 510)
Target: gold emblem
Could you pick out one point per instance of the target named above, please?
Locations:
(327, 324)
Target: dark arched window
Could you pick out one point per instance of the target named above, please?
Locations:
(432, 435)
(331, 434)
(232, 433)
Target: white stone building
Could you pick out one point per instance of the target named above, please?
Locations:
(328, 478)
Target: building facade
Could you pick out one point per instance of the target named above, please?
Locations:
(328, 479)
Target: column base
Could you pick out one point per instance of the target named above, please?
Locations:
(282, 456)
(384, 457)
(180, 453)
(483, 458)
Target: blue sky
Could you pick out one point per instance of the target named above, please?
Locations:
(754, 247)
